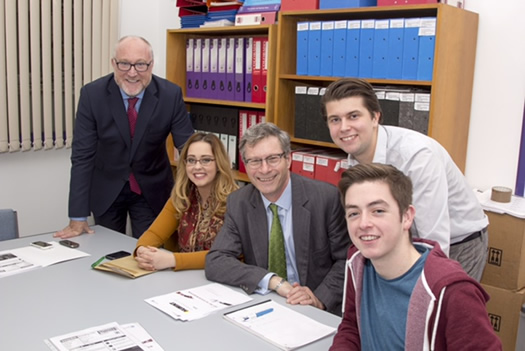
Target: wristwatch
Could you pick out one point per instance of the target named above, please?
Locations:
(279, 285)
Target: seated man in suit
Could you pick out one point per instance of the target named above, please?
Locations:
(402, 294)
(282, 232)
(119, 164)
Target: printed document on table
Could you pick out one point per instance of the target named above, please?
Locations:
(12, 264)
(25, 258)
(108, 337)
(47, 257)
(279, 325)
(198, 302)
(136, 331)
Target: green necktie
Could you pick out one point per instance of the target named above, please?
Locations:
(276, 255)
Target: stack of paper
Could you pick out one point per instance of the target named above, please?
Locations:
(199, 302)
(516, 206)
(121, 337)
(279, 325)
(12, 264)
(192, 13)
(26, 258)
(220, 11)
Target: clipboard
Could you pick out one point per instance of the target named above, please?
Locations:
(279, 325)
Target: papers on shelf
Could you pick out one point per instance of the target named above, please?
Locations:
(279, 325)
(111, 336)
(26, 258)
(219, 23)
(198, 302)
(516, 206)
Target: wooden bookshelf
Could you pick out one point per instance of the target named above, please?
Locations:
(176, 69)
(450, 87)
(176, 61)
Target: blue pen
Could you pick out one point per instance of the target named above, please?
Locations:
(258, 314)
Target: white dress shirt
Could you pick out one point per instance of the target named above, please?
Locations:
(447, 209)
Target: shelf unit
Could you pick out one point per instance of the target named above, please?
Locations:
(176, 67)
(453, 73)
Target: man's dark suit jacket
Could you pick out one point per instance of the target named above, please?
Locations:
(320, 236)
(103, 153)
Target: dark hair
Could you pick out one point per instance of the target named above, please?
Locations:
(349, 87)
(260, 131)
(400, 185)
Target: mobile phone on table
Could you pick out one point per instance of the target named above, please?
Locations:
(118, 254)
(69, 243)
(41, 245)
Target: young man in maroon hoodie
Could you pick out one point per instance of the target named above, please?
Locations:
(399, 294)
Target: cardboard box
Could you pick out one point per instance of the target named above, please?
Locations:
(520, 342)
(505, 266)
(504, 309)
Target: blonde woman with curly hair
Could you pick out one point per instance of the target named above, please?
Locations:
(194, 213)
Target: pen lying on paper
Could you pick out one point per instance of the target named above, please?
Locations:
(257, 314)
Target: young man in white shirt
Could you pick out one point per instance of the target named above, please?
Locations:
(450, 212)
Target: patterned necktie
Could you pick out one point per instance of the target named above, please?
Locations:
(276, 255)
(132, 117)
(132, 114)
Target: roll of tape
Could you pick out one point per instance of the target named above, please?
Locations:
(501, 194)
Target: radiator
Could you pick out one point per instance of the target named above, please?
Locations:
(48, 50)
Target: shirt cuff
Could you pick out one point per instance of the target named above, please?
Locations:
(262, 287)
(79, 219)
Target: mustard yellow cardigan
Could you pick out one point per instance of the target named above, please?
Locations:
(163, 233)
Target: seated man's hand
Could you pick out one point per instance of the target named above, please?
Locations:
(75, 228)
(152, 259)
(281, 289)
(302, 295)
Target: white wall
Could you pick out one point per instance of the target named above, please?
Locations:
(36, 183)
(150, 19)
(499, 94)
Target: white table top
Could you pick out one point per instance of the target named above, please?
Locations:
(71, 296)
